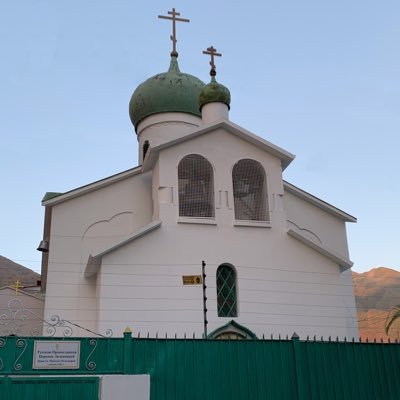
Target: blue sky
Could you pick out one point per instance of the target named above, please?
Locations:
(318, 78)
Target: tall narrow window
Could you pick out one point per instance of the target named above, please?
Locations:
(249, 191)
(226, 291)
(196, 187)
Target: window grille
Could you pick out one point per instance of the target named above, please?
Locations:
(196, 187)
(226, 291)
(249, 191)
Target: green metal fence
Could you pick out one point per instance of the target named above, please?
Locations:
(41, 388)
(231, 369)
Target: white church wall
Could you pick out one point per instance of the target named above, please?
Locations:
(317, 224)
(164, 127)
(283, 286)
(86, 225)
(209, 146)
(213, 112)
(155, 189)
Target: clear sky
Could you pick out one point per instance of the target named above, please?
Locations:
(318, 78)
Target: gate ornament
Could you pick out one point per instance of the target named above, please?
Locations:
(16, 317)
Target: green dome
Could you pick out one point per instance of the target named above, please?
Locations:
(214, 92)
(171, 91)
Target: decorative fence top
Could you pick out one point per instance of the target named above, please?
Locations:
(15, 319)
(221, 369)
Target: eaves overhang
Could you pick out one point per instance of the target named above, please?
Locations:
(318, 202)
(285, 157)
(90, 187)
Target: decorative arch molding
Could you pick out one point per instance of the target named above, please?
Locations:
(306, 232)
(127, 215)
(105, 233)
(232, 330)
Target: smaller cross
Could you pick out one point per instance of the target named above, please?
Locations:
(17, 285)
(174, 18)
(212, 52)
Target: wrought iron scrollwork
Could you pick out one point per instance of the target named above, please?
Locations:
(108, 333)
(57, 324)
(91, 365)
(21, 343)
(2, 344)
(15, 318)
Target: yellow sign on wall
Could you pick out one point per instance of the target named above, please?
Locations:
(192, 279)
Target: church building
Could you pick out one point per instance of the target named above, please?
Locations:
(208, 196)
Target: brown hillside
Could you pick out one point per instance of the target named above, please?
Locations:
(377, 291)
(11, 271)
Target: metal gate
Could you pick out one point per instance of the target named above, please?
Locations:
(182, 369)
(44, 387)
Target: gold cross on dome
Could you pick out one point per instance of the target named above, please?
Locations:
(17, 285)
(174, 18)
(212, 52)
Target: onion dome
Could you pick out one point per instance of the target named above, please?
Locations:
(171, 91)
(214, 92)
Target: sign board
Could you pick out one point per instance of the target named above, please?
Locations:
(192, 279)
(51, 354)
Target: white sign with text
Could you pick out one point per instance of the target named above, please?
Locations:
(51, 354)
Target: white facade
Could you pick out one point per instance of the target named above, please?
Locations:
(119, 249)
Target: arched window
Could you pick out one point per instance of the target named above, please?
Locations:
(226, 291)
(232, 330)
(249, 191)
(196, 187)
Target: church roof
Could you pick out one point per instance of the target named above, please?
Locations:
(336, 212)
(214, 92)
(53, 198)
(285, 156)
(61, 197)
(171, 91)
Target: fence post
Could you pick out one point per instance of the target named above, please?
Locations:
(300, 384)
(128, 356)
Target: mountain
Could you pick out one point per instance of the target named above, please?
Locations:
(377, 291)
(11, 271)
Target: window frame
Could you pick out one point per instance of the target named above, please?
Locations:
(226, 291)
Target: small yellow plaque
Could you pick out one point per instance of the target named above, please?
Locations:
(192, 279)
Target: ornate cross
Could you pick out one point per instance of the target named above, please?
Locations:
(212, 52)
(17, 285)
(174, 18)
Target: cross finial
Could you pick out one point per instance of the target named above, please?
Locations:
(17, 285)
(212, 52)
(174, 18)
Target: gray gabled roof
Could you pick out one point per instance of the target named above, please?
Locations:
(55, 198)
(302, 194)
(285, 157)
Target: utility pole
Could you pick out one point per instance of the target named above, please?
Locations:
(203, 269)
